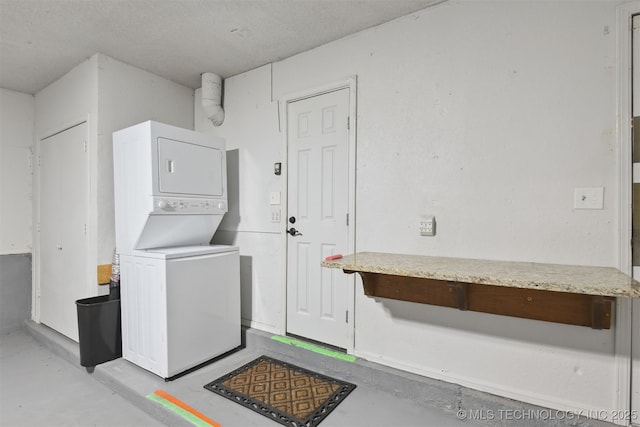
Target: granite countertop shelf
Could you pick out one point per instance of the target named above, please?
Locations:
(578, 295)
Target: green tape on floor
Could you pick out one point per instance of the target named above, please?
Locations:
(178, 410)
(314, 348)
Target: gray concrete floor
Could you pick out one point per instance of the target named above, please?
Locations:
(39, 388)
(42, 383)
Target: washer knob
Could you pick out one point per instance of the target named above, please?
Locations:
(162, 204)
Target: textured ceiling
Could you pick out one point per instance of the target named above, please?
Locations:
(40, 40)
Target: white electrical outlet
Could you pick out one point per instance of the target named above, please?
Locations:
(428, 226)
(275, 215)
(274, 198)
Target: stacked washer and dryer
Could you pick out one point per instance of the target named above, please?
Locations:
(180, 295)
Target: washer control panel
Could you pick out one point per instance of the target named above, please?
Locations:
(170, 205)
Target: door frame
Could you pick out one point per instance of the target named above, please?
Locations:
(37, 253)
(350, 83)
(624, 306)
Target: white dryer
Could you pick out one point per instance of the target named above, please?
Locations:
(170, 186)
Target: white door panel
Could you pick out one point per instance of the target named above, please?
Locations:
(318, 199)
(63, 217)
(189, 168)
(635, 340)
(212, 283)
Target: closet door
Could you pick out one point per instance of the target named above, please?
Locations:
(64, 195)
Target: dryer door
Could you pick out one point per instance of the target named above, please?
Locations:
(192, 169)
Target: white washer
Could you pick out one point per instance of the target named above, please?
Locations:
(180, 306)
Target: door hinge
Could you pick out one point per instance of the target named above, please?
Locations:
(348, 123)
(38, 227)
(39, 161)
(347, 220)
(346, 316)
(85, 229)
(85, 145)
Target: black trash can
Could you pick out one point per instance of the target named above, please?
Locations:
(99, 329)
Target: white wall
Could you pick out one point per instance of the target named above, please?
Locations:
(68, 101)
(16, 144)
(127, 96)
(253, 146)
(487, 115)
(71, 98)
(110, 95)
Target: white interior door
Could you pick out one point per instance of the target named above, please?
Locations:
(635, 329)
(318, 201)
(64, 191)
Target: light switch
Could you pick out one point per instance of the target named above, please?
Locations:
(588, 198)
(274, 198)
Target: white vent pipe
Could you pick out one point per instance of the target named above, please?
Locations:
(212, 98)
